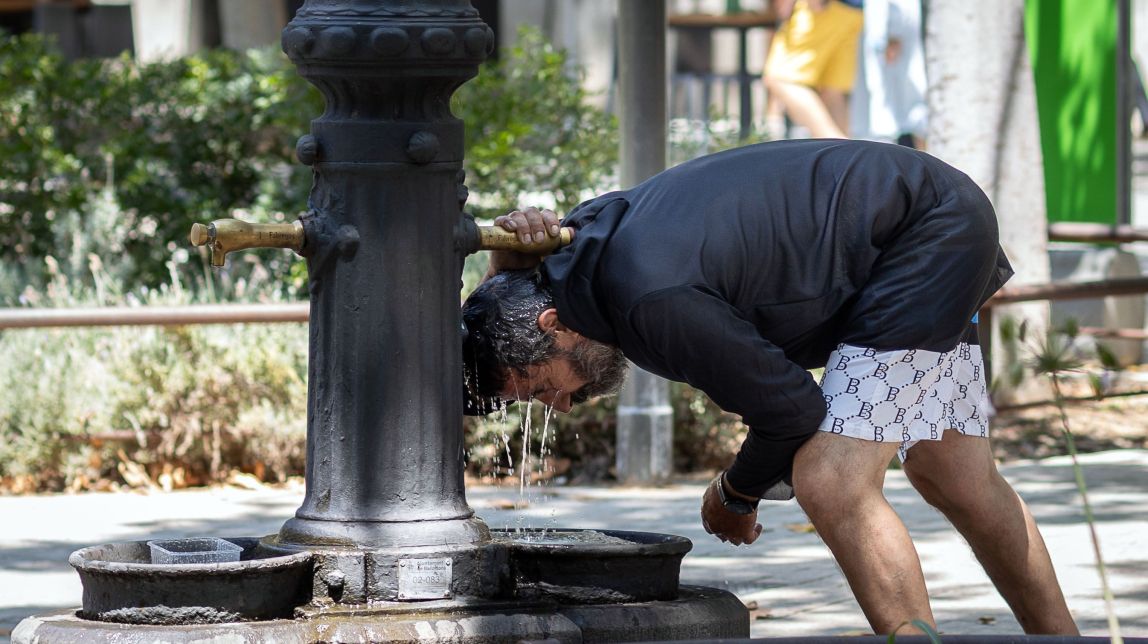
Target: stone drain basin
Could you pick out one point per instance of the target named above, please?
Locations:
(594, 566)
(564, 566)
(122, 585)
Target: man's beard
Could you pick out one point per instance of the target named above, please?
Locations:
(602, 366)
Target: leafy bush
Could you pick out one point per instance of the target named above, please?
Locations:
(118, 158)
(82, 407)
(531, 132)
(79, 407)
(109, 162)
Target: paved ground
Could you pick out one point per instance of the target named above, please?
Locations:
(788, 573)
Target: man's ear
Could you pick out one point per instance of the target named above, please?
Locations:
(548, 322)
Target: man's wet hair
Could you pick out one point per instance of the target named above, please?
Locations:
(503, 339)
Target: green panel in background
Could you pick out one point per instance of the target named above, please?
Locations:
(1073, 49)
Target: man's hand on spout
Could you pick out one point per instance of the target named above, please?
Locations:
(532, 226)
(728, 526)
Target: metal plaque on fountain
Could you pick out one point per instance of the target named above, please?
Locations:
(424, 578)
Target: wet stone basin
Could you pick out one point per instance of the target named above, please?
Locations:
(122, 585)
(594, 566)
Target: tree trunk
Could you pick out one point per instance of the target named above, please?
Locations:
(983, 120)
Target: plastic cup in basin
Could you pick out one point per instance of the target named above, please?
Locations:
(193, 551)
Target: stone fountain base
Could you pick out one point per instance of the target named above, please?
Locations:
(557, 585)
(697, 613)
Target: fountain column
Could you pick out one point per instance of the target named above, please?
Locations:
(384, 418)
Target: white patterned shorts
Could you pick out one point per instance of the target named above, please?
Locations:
(905, 396)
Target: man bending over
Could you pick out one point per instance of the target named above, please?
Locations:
(738, 272)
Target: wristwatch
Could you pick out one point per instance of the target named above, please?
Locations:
(732, 503)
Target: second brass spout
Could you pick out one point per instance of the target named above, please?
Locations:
(471, 238)
(496, 238)
(223, 236)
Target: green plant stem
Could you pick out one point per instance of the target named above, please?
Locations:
(925, 627)
(1078, 472)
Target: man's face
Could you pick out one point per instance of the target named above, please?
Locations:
(553, 383)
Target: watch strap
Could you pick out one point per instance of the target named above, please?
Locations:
(732, 503)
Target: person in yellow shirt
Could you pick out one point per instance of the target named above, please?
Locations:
(813, 60)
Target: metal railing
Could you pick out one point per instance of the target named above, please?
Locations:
(155, 315)
(1070, 290)
(28, 318)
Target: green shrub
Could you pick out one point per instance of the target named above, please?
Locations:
(201, 401)
(531, 131)
(118, 158)
(107, 165)
(76, 405)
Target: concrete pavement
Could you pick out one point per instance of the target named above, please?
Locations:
(788, 573)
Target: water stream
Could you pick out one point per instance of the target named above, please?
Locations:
(531, 468)
(528, 468)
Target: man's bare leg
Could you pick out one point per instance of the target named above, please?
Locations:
(838, 482)
(805, 108)
(959, 477)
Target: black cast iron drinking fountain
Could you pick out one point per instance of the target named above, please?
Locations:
(385, 546)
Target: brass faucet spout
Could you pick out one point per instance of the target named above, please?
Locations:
(496, 238)
(223, 236)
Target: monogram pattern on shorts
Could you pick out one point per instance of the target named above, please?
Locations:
(905, 396)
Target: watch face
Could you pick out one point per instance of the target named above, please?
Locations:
(735, 505)
(738, 506)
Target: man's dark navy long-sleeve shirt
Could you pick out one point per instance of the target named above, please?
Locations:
(738, 271)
